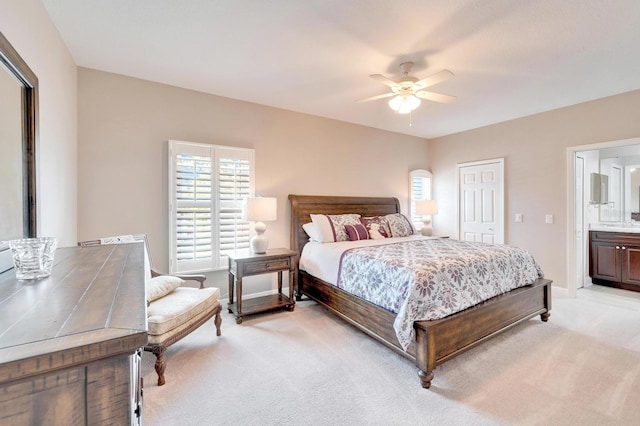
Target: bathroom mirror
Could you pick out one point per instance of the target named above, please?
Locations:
(599, 188)
(622, 165)
(18, 141)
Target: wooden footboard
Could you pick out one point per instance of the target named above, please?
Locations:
(440, 340)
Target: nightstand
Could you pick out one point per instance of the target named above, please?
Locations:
(246, 263)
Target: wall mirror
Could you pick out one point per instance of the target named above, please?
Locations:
(18, 141)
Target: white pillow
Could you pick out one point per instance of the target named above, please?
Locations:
(331, 226)
(160, 286)
(323, 228)
(312, 231)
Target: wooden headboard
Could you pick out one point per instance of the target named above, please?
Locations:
(304, 205)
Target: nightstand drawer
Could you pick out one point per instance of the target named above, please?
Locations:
(268, 266)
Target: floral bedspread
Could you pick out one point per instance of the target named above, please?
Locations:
(430, 279)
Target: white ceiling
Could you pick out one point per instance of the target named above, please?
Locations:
(511, 58)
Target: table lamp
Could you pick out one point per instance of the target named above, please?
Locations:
(426, 208)
(259, 210)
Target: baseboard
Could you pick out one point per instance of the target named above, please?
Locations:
(559, 291)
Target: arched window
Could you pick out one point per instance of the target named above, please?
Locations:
(419, 189)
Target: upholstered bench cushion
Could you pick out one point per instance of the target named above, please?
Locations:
(179, 307)
(188, 327)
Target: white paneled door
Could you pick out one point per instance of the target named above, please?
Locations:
(481, 201)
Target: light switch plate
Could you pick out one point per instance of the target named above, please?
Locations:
(518, 217)
(548, 218)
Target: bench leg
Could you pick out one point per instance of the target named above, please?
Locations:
(218, 321)
(158, 351)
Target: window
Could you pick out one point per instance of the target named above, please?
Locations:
(207, 187)
(419, 189)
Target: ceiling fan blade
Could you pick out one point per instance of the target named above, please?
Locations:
(436, 78)
(373, 98)
(384, 80)
(437, 97)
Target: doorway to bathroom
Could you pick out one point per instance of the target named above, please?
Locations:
(592, 204)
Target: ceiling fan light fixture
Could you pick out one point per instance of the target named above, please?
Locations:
(404, 104)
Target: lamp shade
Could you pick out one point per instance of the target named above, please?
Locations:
(404, 104)
(424, 207)
(261, 209)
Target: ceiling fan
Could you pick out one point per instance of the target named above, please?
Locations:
(409, 90)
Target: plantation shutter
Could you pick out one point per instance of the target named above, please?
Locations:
(208, 185)
(234, 186)
(419, 189)
(193, 210)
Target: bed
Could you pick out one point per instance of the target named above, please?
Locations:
(435, 341)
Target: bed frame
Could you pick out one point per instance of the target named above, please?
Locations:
(435, 341)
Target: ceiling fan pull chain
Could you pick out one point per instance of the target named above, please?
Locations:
(410, 119)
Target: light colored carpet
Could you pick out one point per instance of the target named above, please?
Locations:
(308, 367)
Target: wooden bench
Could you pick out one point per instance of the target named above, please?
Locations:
(173, 310)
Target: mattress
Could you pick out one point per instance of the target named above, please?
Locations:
(322, 260)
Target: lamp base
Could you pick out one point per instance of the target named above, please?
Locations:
(426, 229)
(259, 243)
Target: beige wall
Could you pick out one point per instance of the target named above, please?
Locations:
(124, 125)
(535, 155)
(27, 26)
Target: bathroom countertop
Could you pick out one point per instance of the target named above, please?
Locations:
(615, 228)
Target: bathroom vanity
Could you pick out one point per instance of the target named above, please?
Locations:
(614, 257)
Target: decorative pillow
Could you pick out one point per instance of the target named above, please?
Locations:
(331, 226)
(323, 228)
(356, 232)
(160, 286)
(399, 224)
(312, 231)
(377, 227)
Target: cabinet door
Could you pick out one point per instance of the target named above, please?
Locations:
(605, 261)
(631, 265)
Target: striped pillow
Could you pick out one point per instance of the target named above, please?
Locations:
(356, 232)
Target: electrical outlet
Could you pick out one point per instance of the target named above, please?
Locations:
(548, 218)
(518, 217)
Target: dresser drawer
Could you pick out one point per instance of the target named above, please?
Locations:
(266, 266)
